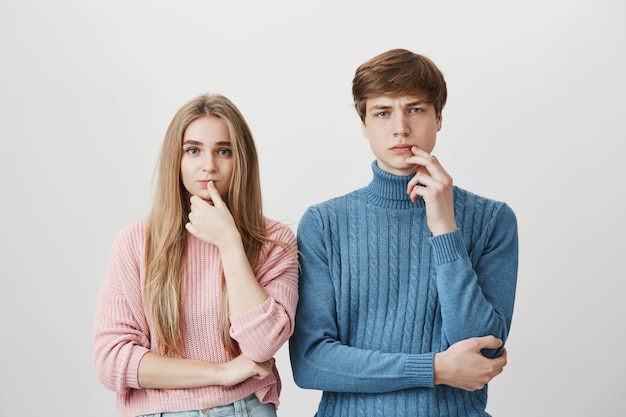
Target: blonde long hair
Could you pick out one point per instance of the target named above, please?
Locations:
(166, 234)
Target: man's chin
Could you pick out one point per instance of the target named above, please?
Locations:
(400, 169)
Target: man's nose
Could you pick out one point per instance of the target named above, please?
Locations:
(400, 125)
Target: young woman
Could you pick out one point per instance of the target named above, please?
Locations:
(199, 297)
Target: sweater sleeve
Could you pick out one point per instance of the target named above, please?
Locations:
(477, 290)
(264, 329)
(319, 359)
(120, 334)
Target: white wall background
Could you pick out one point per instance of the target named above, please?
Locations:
(535, 117)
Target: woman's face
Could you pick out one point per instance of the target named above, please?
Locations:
(207, 156)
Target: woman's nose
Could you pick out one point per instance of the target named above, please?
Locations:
(209, 164)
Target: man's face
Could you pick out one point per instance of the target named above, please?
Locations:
(393, 124)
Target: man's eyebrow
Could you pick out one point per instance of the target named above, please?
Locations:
(388, 106)
(380, 106)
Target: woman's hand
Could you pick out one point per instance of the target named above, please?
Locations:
(211, 221)
(242, 368)
(157, 371)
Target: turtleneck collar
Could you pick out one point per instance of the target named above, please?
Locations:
(389, 191)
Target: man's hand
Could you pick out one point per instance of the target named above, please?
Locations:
(434, 185)
(463, 366)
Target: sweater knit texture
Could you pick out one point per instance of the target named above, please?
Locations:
(379, 296)
(122, 334)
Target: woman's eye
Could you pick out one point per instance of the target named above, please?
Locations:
(225, 152)
(192, 151)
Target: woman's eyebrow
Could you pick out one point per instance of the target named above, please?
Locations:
(192, 142)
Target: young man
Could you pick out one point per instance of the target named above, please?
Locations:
(407, 285)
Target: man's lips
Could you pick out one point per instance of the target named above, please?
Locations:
(401, 148)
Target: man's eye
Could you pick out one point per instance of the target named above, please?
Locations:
(382, 114)
(416, 110)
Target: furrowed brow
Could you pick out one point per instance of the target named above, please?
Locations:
(380, 106)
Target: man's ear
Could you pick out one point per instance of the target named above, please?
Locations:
(439, 120)
(364, 129)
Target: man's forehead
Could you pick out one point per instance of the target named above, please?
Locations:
(395, 100)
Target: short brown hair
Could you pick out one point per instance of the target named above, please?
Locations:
(398, 71)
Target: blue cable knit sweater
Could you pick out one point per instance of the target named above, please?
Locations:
(379, 296)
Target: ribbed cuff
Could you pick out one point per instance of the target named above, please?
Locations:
(132, 370)
(447, 247)
(421, 370)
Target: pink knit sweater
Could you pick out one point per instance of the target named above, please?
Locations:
(122, 335)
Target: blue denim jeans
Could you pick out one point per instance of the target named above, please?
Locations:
(249, 406)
